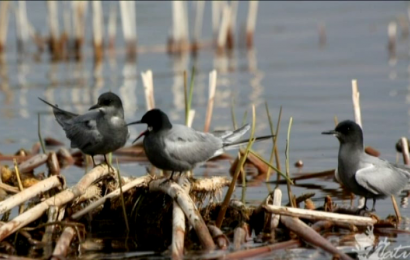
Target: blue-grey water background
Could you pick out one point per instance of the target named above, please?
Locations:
(287, 67)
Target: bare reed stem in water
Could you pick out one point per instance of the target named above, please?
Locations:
(97, 30)
(4, 22)
(212, 88)
(251, 23)
(225, 203)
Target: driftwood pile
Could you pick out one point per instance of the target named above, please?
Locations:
(178, 217)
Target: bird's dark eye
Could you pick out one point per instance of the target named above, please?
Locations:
(106, 102)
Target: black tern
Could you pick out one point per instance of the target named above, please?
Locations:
(178, 148)
(362, 174)
(101, 130)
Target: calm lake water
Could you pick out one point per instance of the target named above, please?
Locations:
(288, 67)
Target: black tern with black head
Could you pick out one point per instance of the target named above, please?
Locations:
(101, 130)
(363, 174)
(178, 148)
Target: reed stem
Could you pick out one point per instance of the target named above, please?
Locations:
(225, 203)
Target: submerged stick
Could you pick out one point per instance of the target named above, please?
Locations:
(188, 207)
(63, 243)
(31, 192)
(58, 200)
(253, 252)
(212, 88)
(219, 237)
(311, 236)
(320, 215)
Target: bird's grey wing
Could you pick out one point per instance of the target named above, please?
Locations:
(381, 178)
(60, 114)
(186, 144)
(82, 130)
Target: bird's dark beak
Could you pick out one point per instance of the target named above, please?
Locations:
(94, 107)
(331, 132)
(142, 134)
(134, 123)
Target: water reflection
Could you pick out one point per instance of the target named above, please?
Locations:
(23, 69)
(179, 65)
(128, 91)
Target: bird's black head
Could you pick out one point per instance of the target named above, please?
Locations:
(155, 119)
(347, 132)
(109, 100)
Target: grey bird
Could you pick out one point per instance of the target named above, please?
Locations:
(100, 130)
(363, 174)
(178, 148)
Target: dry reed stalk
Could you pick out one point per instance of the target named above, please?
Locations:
(319, 215)
(191, 117)
(53, 164)
(212, 88)
(47, 238)
(405, 150)
(230, 38)
(357, 116)
(79, 11)
(4, 22)
(140, 181)
(312, 237)
(212, 184)
(223, 28)
(277, 201)
(8, 188)
(251, 23)
(254, 252)
(290, 195)
(112, 28)
(63, 244)
(225, 203)
(356, 103)
(31, 192)
(178, 223)
(239, 237)
(98, 30)
(219, 237)
(216, 18)
(58, 200)
(17, 172)
(23, 26)
(148, 83)
(54, 29)
(33, 163)
(127, 9)
(199, 17)
(392, 33)
(188, 207)
(179, 39)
